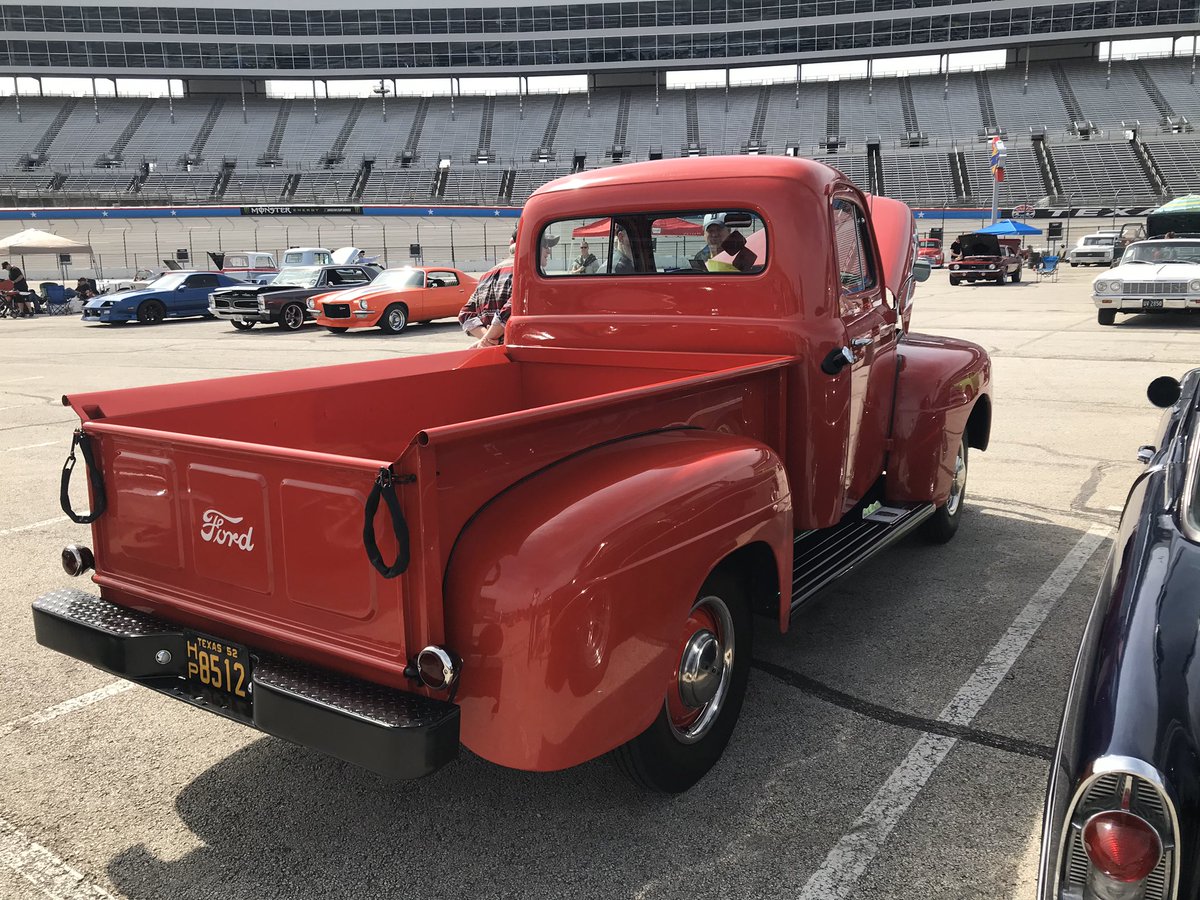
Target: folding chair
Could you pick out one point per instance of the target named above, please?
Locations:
(1048, 268)
(58, 299)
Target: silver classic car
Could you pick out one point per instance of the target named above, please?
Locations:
(1156, 275)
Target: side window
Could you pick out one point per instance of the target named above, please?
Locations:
(443, 279)
(350, 276)
(322, 259)
(202, 281)
(853, 246)
(235, 261)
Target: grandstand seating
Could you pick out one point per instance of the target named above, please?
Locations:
(275, 150)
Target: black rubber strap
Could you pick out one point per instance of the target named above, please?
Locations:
(95, 479)
(385, 487)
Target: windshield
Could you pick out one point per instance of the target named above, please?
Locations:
(930, 244)
(167, 282)
(298, 277)
(1097, 241)
(400, 278)
(1163, 252)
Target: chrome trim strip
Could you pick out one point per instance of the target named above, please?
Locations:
(1188, 521)
(1108, 765)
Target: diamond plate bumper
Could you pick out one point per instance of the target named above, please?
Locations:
(397, 734)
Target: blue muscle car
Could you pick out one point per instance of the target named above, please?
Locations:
(174, 295)
(1122, 818)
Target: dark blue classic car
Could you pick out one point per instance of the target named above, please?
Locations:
(1122, 817)
(174, 295)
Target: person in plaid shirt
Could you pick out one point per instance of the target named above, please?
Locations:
(486, 312)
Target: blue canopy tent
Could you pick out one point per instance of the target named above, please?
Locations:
(1009, 227)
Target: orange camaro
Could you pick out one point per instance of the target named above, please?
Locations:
(395, 298)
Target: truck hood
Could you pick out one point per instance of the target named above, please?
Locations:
(363, 292)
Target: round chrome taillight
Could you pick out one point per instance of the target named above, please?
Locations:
(1122, 846)
(77, 559)
(437, 668)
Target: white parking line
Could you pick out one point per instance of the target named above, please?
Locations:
(67, 706)
(45, 871)
(31, 446)
(19, 528)
(847, 861)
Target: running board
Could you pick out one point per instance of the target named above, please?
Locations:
(825, 555)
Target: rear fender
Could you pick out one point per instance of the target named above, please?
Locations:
(566, 595)
(943, 385)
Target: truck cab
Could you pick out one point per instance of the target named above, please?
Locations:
(552, 549)
(245, 265)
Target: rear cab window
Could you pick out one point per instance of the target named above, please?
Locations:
(711, 243)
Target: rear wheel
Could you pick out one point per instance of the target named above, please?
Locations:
(151, 312)
(1106, 316)
(394, 319)
(337, 329)
(703, 695)
(942, 525)
(242, 326)
(291, 317)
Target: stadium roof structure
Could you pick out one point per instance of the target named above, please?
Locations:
(217, 39)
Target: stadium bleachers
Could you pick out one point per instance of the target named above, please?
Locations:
(277, 150)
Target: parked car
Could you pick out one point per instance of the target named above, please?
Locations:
(283, 300)
(578, 525)
(931, 249)
(984, 257)
(396, 298)
(1099, 249)
(139, 279)
(1122, 816)
(172, 296)
(1157, 275)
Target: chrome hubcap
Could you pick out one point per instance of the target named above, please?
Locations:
(700, 669)
(959, 482)
(701, 681)
(395, 319)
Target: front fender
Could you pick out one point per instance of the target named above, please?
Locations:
(942, 385)
(566, 595)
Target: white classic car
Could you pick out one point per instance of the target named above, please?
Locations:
(1161, 275)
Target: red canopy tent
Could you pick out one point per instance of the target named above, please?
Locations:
(661, 226)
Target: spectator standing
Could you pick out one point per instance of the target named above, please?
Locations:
(487, 311)
(715, 233)
(586, 264)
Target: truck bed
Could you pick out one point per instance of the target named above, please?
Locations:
(236, 506)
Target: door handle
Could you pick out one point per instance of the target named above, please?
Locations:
(862, 341)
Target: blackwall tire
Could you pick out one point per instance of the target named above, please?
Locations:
(291, 317)
(394, 319)
(942, 525)
(1106, 316)
(686, 740)
(243, 326)
(151, 312)
(336, 329)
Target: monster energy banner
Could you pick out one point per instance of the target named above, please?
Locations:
(301, 210)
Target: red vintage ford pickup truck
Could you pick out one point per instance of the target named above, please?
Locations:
(577, 525)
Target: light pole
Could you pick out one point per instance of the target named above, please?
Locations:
(1116, 200)
(382, 91)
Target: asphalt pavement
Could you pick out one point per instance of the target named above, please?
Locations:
(893, 744)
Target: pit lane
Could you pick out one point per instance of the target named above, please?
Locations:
(129, 793)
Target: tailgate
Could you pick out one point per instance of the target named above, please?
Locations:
(259, 544)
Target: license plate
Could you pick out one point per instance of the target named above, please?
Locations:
(1152, 304)
(216, 665)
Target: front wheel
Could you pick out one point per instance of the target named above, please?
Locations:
(703, 695)
(942, 525)
(336, 329)
(954, 282)
(394, 319)
(1106, 316)
(1016, 277)
(242, 326)
(151, 312)
(291, 317)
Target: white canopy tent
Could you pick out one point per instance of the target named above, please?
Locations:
(32, 241)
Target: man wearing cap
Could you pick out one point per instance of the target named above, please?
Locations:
(715, 232)
(486, 312)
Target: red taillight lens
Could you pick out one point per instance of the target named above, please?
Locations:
(1123, 846)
